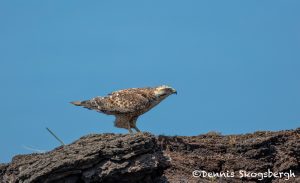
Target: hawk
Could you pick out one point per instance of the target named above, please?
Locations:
(128, 104)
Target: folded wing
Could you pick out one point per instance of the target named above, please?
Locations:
(124, 102)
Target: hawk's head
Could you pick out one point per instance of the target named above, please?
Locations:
(164, 91)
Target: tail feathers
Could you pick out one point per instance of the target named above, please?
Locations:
(77, 103)
(86, 104)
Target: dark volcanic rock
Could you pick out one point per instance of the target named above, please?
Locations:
(145, 158)
(93, 158)
(257, 152)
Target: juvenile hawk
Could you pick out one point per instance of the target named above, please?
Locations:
(127, 105)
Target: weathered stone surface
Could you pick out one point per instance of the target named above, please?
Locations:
(93, 158)
(145, 158)
(257, 152)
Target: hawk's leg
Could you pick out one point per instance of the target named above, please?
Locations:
(137, 129)
(129, 128)
(123, 121)
(133, 124)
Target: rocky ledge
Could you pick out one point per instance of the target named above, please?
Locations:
(93, 158)
(145, 158)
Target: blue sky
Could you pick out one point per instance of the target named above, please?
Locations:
(235, 65)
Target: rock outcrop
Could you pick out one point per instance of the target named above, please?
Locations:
(93, 158)
(143, 157)
(215, 153)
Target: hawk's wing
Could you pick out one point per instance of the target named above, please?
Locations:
(124, 101)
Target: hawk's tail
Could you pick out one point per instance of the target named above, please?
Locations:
(85, 103)
(89, 104)
(77, 103)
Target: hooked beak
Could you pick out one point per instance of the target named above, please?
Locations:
(174, 91)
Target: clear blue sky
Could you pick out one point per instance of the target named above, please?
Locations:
(235, 65)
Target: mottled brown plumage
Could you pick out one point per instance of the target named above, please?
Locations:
(127, 105)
